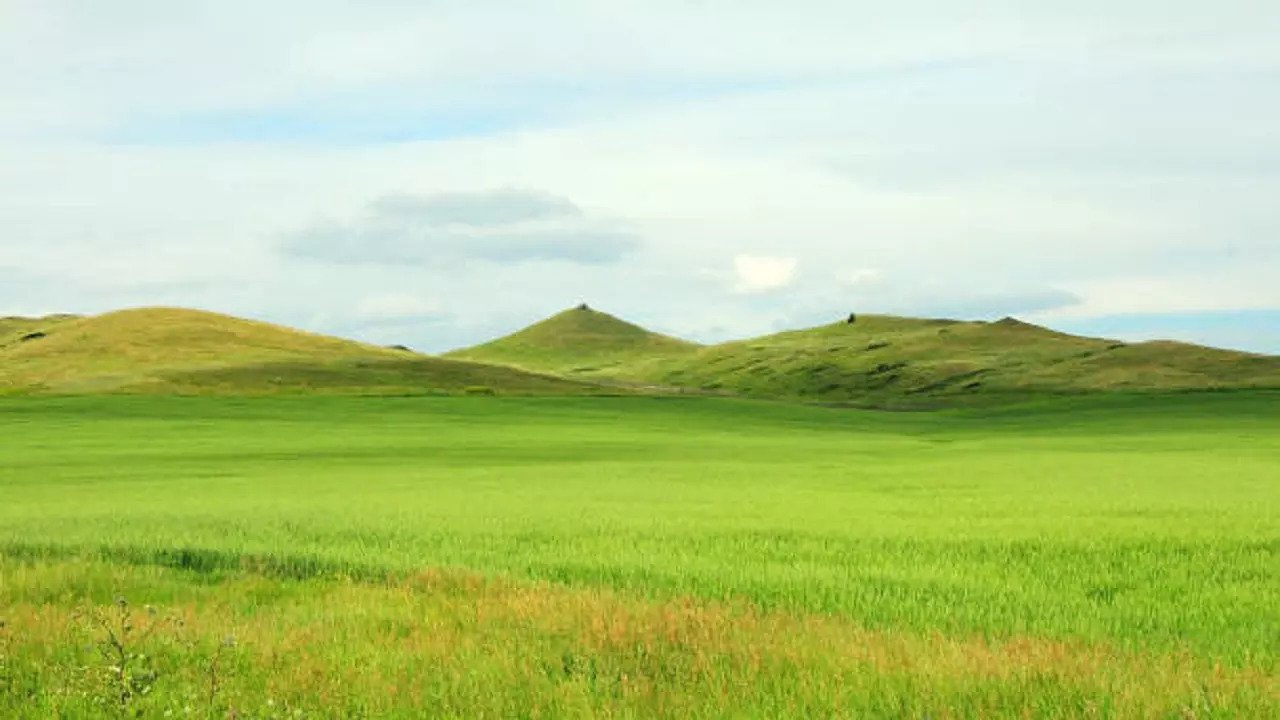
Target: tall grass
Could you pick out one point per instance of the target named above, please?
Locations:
(1115, 559)
(460, 645)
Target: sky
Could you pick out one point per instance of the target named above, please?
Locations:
(437, 173)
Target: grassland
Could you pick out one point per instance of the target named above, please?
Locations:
(1110, 556)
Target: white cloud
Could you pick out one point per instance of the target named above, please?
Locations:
(503, 206)
(757, 273)
(499, 226)
(1210, 289)
(396, 307)
(861, 276)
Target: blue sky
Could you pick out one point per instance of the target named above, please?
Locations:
(1258, 329)
(436, 173)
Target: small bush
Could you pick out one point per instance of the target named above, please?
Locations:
(478, 390)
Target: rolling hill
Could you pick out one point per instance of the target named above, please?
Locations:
(885, 360)
(160, 350)
(579, 342)
(879, 360)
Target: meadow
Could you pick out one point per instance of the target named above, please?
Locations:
(308, 556)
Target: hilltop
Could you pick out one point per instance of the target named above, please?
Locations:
(885, 360)
(178, 350)
(580, 341)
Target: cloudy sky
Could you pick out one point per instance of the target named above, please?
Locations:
(435, 173)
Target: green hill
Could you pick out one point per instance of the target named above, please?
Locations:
(582, 342)
(879, 360)
(174, 350)
(888, 360)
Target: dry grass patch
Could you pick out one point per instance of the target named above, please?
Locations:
(460, 645)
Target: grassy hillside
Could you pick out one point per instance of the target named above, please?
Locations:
(889, 360)
(175, 350)
(878, 360)
(15, 330)
(580, 341)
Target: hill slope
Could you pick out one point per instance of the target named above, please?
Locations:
(176, 350)
(14, 330)
(877, 360)
(888, 360)
(580, 341)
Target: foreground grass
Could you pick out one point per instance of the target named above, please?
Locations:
(1113, 557)
(456, 645)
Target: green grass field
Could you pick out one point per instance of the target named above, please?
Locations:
(1113, 556)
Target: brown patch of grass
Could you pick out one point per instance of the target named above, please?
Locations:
(456, 644)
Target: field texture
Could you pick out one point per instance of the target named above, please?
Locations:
(638, 557)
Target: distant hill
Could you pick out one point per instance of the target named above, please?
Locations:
(581, 342)
(884, 360)
(878, 360)
(176, 350)
(887, 360)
